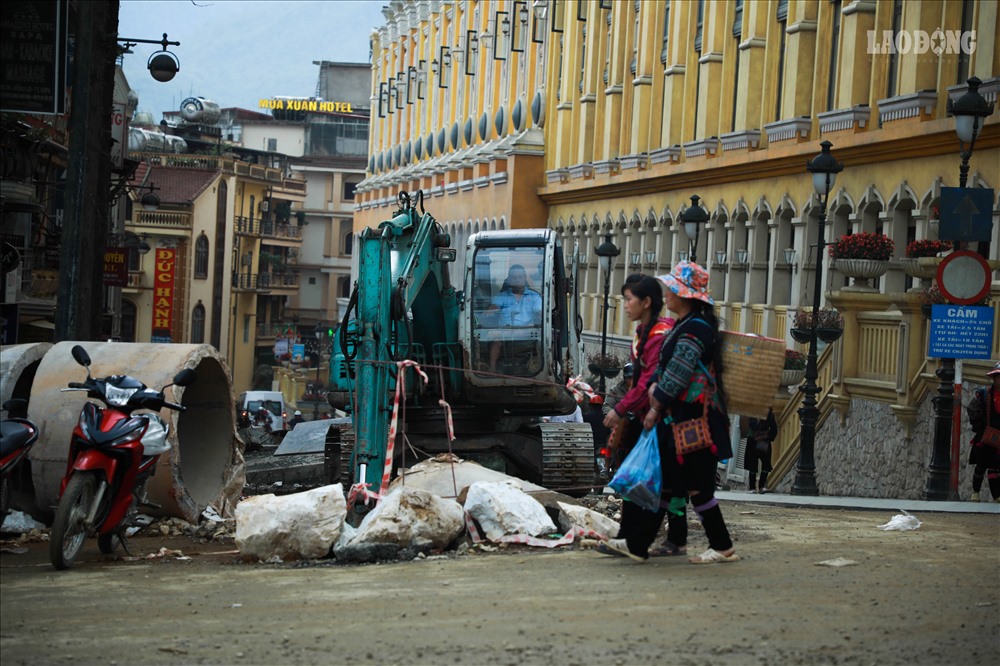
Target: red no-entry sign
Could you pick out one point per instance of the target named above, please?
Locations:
(963, 277)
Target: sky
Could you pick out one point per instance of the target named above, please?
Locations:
(237, 52)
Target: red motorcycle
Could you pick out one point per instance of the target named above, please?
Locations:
(16, 437)
(112, 454)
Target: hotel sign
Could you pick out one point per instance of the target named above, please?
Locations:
(316, 105)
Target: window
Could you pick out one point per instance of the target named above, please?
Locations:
(312, 280)
(346, 243)
(344, 287)
(963, 58)
(507, 310)
(782, 22)
(831, 84)
(128, 321)
(666, 32)
(892, 77)
(198, 324)
(201, 257)
(349, 189)
(737, 33)
(272, 145)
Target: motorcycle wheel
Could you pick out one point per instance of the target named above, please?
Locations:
(108, 543)
(68, 529)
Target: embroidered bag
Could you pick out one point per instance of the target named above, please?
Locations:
(693, 435)
(991, 437)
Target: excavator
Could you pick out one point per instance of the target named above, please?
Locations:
(498, 351)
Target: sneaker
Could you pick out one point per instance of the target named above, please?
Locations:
(974, 497)
(752, 491)
(763, 491)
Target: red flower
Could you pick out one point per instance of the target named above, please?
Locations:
(926, 248)
(863, 245)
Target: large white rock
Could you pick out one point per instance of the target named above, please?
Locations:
(411, 517)
(448, 475)
(503, 508)
(571, 515)
(302, 525)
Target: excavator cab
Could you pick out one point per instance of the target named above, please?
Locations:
(515, 322)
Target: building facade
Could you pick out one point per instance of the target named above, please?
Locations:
(597, 117)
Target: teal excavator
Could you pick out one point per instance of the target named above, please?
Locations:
(498, 352)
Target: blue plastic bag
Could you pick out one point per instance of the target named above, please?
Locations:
(639, 479)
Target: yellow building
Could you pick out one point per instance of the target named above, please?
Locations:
(598, 117)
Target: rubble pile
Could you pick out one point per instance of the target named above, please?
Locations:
(441, 507)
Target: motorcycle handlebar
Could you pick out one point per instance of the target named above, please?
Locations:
(174, 406)
(77, 385)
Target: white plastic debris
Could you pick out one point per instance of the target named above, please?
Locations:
(902, 522)
(19, 523)
(836, 562)
(211, 514)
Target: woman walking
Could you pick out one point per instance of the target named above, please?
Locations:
(643, 298)
(688, 386)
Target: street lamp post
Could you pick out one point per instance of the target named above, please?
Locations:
(824, 169)
(606, 253)
(970, 112)
(693, 218)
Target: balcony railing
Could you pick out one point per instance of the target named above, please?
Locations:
(157, 218)
(278, 280)
(250, 282)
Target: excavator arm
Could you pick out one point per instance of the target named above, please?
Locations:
(402, 267)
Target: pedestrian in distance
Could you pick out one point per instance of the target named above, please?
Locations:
(297, 419)
(758, 452)
(984, 417)
(616, 392)
(643, 303)
(689, 386)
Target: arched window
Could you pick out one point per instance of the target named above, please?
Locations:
(348, 243)
(128, 321)
(345, 287)
(201, 257)
(198, 321)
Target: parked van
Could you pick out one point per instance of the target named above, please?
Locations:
(250, 403)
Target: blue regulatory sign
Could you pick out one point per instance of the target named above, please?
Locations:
(961, 331)
(966, 214)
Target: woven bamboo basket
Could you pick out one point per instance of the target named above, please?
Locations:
(753, 367)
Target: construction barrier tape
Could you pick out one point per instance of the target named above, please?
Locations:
(447, 416)
(564, 540)
(361, 490)
(580, 389)
(400, 395)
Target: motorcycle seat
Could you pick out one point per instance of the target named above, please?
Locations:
(13, 436)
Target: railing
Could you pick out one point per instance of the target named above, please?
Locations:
(158, 218)
(244, 226)
(249, 282)
(282, 231)
(278, 280)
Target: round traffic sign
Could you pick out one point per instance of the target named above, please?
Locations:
(9, 257)
(963, 277)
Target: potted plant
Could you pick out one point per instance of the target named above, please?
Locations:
(607, 364)
(921, 260)
(932, 296)
(862, 256)
(795, 368)
(829, 325)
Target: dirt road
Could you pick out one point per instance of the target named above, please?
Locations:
(924, 597)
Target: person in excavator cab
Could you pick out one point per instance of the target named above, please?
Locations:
(517, 305)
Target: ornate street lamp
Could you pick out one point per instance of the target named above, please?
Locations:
(162, 65)
(970, 111)
(824, 169)
(606, 253)
(693, 218)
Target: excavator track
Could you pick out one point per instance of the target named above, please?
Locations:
(568, 457)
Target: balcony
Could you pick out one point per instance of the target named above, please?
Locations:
(282, 232)
(250, 282)
(161, 219)
(278, 282)
(244, 226)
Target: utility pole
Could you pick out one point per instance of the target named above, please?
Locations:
(88, 177)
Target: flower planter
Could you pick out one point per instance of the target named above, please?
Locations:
(792, 377)
(924, 268)
(863, 271)
(801, 335)
(829, 335)
(609, 373)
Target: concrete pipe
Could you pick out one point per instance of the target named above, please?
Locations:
(18, 365)
(205, 464)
